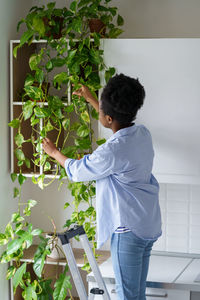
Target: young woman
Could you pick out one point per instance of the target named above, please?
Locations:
(126, 191)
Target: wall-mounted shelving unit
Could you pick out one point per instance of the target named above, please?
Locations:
(19, 68)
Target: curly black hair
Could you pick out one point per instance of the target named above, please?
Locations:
(121, 98)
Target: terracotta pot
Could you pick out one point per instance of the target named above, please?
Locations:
(96, 25)
(58, 20)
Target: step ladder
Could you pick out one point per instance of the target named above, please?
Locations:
(65, 240)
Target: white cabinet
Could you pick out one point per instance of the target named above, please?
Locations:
(159, 294)
(169, 69)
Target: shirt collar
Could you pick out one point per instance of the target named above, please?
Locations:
(123, 132)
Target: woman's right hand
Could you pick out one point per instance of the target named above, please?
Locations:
(84, 91)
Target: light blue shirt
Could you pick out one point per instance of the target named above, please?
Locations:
(126, 190)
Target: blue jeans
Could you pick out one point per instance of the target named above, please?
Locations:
(130, 259)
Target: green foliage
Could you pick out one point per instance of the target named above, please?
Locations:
(71, 56)
(62, 285)
(18, 276)
(40, 256)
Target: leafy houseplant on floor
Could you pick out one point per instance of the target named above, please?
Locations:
(74, 58)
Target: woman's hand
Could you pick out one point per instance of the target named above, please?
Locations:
(51, 150)
(84, 91)
(49, 147)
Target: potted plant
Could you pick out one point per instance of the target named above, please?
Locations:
(100, 17)
(62, 63)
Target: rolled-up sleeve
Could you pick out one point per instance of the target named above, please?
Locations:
(93, 166)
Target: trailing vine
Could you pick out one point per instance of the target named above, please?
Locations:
(70, 55)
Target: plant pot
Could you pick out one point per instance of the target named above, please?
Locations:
(55, 246)
(96, 25)
(55, 31)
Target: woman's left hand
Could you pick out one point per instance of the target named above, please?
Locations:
(49, 147)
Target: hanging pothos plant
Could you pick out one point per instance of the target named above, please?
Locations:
(70, 56)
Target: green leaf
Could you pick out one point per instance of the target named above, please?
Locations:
(32, 203)
(13, 176)
(14, 245)
(49, 66)
(66, 123)
(73, 6)
(28, 163)
(41, 112)
(83, 143)
(61, 78)
(83, 131)
(95, 56)
(3, 239)
(71, 54)
(51, 5)
(69, 108)
(19, 139)
(61, 286)
(27, 211)
(69, 151)
(39, 75)
(16, 218)
(49, 126)
(29, 80)
(34, 180)
(77, 24)
(9, 231)
(15, 50)
(115, 32)
(88, 71)
(28, 109)
(58, 62)
(20, 163)
(19, 154)
(38, 25)
(100, 141)
(18, 275)
(66, 205)
(26, 36)
(16, 192)
(29, 293)
(14, 123)
(34, 121)
(85, 116)
(36, 231)
(109, 73)
(40, 181)
(34, 93)
(46, 289)
(40, 256)
(94, 114)
(10, 272)
(21, 179)
(34, 60)
(47, 166)
(120, 20)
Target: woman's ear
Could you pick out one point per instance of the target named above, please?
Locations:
(109, 119)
